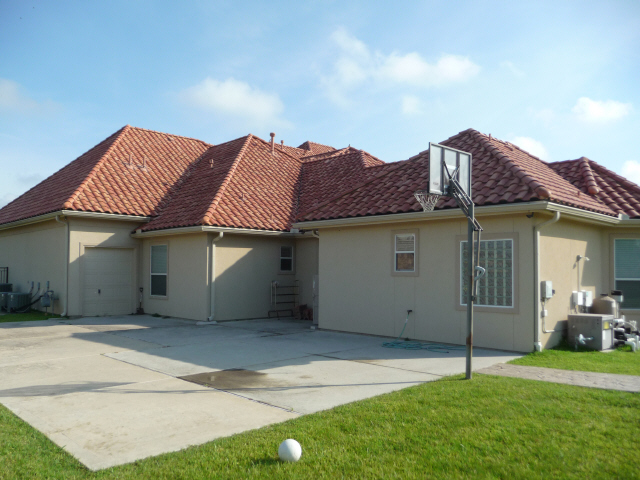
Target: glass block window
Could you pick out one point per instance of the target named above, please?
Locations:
(159, 270)
(405, 252)
(627, 271)
(496, 288)
(286, 259)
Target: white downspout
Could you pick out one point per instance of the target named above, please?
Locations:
(66, 268)
(537, 344)
(212, 283)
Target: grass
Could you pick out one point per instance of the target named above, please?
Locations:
(27, 317)
(490, 427)
(622, 360)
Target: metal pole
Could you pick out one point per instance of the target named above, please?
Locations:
(470, 274)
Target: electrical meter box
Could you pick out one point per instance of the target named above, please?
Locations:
(598, 328)
(546, 289)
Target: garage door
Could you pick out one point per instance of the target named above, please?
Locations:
(107, 281)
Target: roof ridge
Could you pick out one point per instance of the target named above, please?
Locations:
(227, 179)
(279, 149)
(619, 178)
(96, 167)
(532, 183)
(325, 155)
(172, 135)
(587, 174)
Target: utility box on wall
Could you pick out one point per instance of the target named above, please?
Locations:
(596, 330)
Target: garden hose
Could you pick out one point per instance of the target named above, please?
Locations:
(433, 347)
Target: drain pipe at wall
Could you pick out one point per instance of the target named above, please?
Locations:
(212, 283)
(66, 268)
(537, 344)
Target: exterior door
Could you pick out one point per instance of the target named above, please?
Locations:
(107, 281)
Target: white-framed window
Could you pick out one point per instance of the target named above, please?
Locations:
(405, 252)
(496, 289)
(626, 271)
(286, 258)
(159, 270)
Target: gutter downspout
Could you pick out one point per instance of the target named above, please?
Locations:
(66, 268)
(212, 282)
(537, 344)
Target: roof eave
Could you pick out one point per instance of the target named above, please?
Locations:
(74, 213)
(454, 213)
(206, 228)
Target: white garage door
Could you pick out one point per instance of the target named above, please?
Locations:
(107, 281)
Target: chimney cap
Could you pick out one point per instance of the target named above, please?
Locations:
(272, 134)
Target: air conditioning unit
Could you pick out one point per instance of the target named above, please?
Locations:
(18, 301)
(4, 301)
(591, 330)
(6, 287)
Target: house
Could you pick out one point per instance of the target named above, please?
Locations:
(183, 228)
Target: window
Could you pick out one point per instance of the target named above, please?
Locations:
(405, 252)
(496, 288)
(159, 270)
(286, 259)
(627, 270)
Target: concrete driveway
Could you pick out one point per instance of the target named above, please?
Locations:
(118, 389)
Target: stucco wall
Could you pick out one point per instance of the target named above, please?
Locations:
(35, 253)
(187, 277)
(87, 233)
(560, 245)
(358, 292)
(245, 267)
(306, 256)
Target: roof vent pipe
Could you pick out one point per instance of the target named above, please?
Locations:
(273, 146)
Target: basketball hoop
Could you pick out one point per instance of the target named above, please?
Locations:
(426, 199)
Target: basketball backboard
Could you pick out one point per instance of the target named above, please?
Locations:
(446, 159)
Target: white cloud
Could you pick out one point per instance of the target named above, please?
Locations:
(236, 98)
(14, 99)
(534, 147)
(600, 111)
(356, 65)
(631, 171)
(411, 105)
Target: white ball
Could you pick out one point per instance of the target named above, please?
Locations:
(290, 450)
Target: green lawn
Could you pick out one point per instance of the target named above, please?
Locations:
(490, 427)
(26, 317)
(564, 356)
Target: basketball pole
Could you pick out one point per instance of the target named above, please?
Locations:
(470, 289)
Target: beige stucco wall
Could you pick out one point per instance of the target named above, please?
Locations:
(560, 245)
(35, 253)
(187, 277)
(87, 233)
(358, 292)
(306, 266)
(245, 267)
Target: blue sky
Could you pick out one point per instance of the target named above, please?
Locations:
(559, 78)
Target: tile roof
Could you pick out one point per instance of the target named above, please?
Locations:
(618, 193)
(111, 178)
(182, 182)
(502, 173)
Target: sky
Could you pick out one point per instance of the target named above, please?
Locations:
(560, 78)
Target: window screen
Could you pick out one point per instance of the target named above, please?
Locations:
(496, 288)
(286, 259)
(627, 271)
(405, 252)
(159, 270)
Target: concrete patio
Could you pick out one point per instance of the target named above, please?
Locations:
(117, 389)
